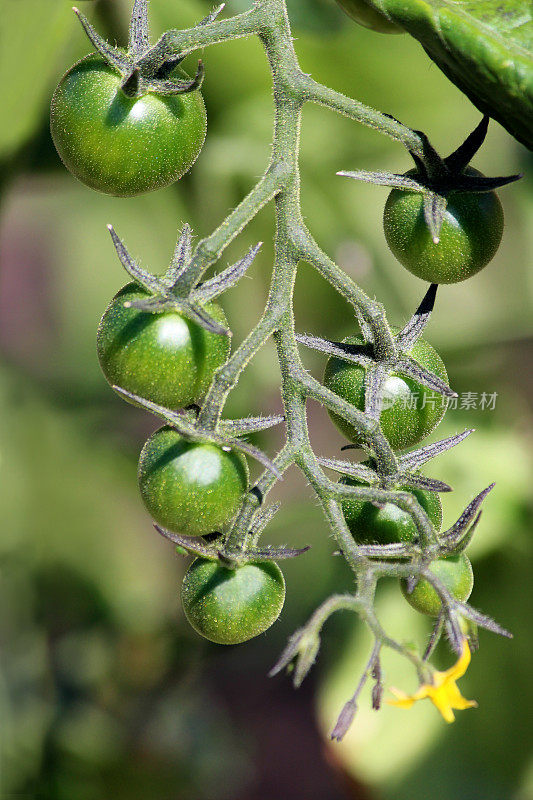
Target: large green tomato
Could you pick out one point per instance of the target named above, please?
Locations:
(368, 16)
(470, 235)
(410, 411)
(190, 488)
(389, 524)
(120, 145)
(455, 572)
(229, 606)
(164, 357)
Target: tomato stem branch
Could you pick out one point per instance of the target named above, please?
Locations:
(293, 244)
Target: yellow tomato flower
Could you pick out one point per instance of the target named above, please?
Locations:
(443, 691)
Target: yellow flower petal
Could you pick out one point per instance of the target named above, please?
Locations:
(443, 692)
(445, 708)
(402, 700)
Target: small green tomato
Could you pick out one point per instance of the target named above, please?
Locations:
(389, 524)
(191, 488)
(410, 411)
(469, 238)
(121, 145)
(230, 606)
(165, 358)
(455, 572)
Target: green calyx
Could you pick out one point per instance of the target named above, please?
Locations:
(173, 291)
(137, 77)
(436, 178)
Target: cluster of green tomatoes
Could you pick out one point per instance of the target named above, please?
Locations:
(122, 140)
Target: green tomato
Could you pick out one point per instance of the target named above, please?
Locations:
(165, 358)
(368, 16)
(371, 525)
(455, 572)
(120, 145)
(230, 606)
(191, 488)
(470, 235)
(410, 411)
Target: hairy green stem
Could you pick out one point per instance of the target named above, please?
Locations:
(294, 244)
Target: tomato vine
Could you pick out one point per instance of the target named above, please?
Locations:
(389, 478)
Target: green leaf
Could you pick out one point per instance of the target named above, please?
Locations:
(485, 47)
(32, 34)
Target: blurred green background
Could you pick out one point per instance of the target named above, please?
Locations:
(104, 690)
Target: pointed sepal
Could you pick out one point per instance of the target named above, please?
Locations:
(248, 425)
(453, 538)
(111, 55)
(180, 259)
(134, 270)
(189, 545)
(302, 649)
(364, 326)
(404, 182)
(139, 34)
(262, 518)
(412, 331)
(375, 378)
(434, 212)
(416, 458)
(408, 366)
(461, 158)
(190, 431)
(415, 481)
(227, 278)
(361, 472)
(271, 553)
(354, 353)
(429, 164)
(483, 620)
(168, 88)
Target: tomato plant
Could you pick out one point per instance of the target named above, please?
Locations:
(470, 235)
(368, 16)
(454, 572)
(410, 411)
(124, 125)
(190, 487)
(229, 606)
(387, 524)
(123, 145)
(162, 357)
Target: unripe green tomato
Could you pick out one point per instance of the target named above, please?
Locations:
(230, 606)
(368, 16)
(469, 238)
(120, 145)
(165, 358)
(410, 411)
(191, 488)
(389, 524)
(455, 572)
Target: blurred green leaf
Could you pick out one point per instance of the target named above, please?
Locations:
(31, 37)
(484, 47)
